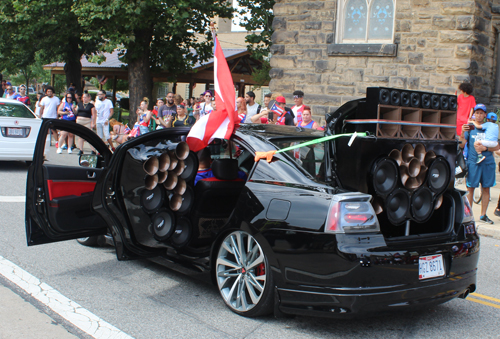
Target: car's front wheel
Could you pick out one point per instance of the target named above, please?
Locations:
(243, 275)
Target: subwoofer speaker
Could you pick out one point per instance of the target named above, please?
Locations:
(384, 97)
(426, 100)
(385, 176)
(397, 206)
(444, 102)
(453, 103)
(438, 175)
(395, 98)
(435, 102)
(415, 100)
(187, 201)
(405, 99)
(422, 204)
(163, 225)
(152, 200)
(182, 233)
(190, 167)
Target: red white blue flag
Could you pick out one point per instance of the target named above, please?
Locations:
(220, 123)
(277, 109)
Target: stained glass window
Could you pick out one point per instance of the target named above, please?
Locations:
(365, 21)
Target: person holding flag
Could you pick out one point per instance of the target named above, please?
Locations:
(281, 113)
(221, 122)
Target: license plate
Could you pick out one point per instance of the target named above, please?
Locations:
(15, 132)
(430, 266)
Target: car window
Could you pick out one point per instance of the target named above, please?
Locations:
(310, 158)
(15, 111)
(228, 149)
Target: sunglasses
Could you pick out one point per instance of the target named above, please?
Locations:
(297, 96)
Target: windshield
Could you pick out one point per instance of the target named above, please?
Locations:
(14, 111)
(310, 158)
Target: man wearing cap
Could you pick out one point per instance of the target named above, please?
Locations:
(298, 108)
(484, 171)
(282, 114)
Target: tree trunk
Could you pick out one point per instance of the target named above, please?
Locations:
(139, 71)
(73, 66)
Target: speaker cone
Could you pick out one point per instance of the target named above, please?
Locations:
(181, 186)
(182, 233)
(429, 156)
(407, 153)
(453, 103)
(422, 204)
(385, 176)
(438, 175)
(438, 202)
(444, 102)
(413, 167)
(173, 161)
(384, 97)
(415, 100)
(187, 201)
(435, 102)
(405, 99)
(151, 200)
(171, 181)
(163, 225)
(190, 167)
(397, 206)
(182, 150)
(151, 181)
(175, 202)
(419, 152)
(395, 98)
(426, 100)
(151, 165)
(164, 162)
(396, 155)
(162, 176)
(179, 168)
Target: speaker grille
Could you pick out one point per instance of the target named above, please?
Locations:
(163, 225)
(152, 200)
(182, 233)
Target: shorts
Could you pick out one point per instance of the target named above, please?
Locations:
(483, 173)
(143, 129)
(84, 121)
(102, 131)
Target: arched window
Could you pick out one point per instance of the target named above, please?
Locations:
(365, 21)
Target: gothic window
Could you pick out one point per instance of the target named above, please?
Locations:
(365, 21)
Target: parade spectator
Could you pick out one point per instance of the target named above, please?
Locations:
(167, 110)
(48, 108)
(307, 121)
(66, 111)
(143, 116)
(120, 132)
(10, 94)
(159, 103)
(23, 97)
(298, 108)
(465, 105)
(252, 107)
(4, 86)
(284, 118)
(39, 97)
(490, 135)
(86, 116)
(104, 109)
(181, 118)
(241, 108)
(178, 99)
(479, 173)
(206, 106)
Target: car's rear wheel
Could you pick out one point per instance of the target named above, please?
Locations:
(243, 275)
(89, 241)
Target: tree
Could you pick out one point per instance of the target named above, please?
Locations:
(49, 26)
(154, 35)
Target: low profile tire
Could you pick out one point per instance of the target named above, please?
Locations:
(243, 275)
(89, 241)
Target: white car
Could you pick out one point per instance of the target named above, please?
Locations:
(18, 131)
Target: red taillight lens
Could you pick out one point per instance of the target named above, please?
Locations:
(351, 213)
(333, 218)
(357, 218)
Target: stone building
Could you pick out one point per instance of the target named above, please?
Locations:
(334, 49)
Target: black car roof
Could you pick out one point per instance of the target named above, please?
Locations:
(277, 131)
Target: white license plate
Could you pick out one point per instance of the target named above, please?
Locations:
(15, 132)
(430, 266)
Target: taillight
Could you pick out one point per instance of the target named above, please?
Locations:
(468, 216)
(351, 213)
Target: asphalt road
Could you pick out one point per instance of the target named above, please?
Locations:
(147, 300)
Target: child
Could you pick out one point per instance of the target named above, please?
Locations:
(490, 135)
(465, 105)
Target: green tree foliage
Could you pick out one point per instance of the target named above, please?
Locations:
(154, 35)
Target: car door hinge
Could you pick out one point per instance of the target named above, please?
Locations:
(40, 199)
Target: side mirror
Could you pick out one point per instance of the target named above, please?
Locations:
(88, 160)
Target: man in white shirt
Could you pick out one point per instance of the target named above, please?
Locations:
(104, 108)
(48, 108)
(298, 97)
(252, 107)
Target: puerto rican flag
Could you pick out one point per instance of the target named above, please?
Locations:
(220, 123)
(277, 109)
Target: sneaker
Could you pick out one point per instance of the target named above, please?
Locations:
(57, 145)
(497, 213)
(70, 151)
(65, 147)
(59, 151)
(484, 218)
(480, 158)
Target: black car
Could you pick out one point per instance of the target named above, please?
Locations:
(338, 228)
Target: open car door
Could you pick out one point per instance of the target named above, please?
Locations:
(61, 185)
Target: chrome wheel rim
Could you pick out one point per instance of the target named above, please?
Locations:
(241, 271)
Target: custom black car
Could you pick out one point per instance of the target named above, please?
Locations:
(338, 228)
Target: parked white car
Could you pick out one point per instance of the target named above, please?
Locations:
(18, 131)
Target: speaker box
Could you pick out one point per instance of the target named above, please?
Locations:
(453, 103)
(395, 98)
(163, 225)
(444, 102)
(435, 102)
(397, 206)
(422, 204)
(405, 99)
(152, 200)
(426, 100)
(182, 233)
(415, 100)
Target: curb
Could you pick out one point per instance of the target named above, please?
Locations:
(488, 231)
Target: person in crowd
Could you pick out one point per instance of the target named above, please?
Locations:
(104, 109)
(66, 111)
(192, 102)
(167, 110)
(39, 97)
(252, 107)
(490, 135)
(86, 116)
(241, 108)
(143, 116)
(48, 108)
(307, 121)
(465, 105)
(205, 167)
(23, 97)
(178, 99)
(180, 119)
(10, 94)
(4, 86)
(120, 132)
(159, 103)
(298, 108)
(206, 106)
(479, 173)
(284, 118)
